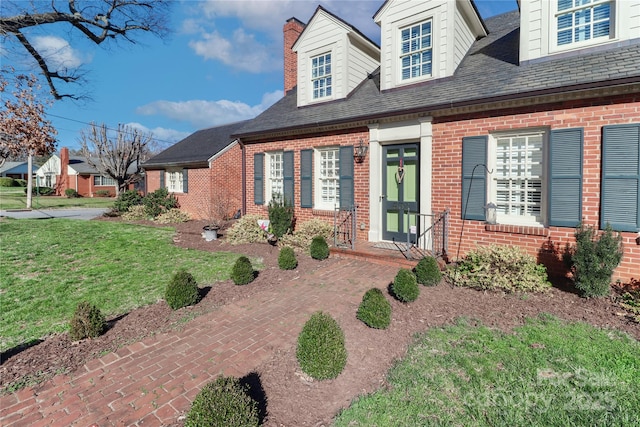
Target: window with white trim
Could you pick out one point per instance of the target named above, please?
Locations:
(103, 181)
(416, 51)
(321, 81)
(517, 183)
(327, 178)
(174, 181)
(582, 22)
(274, 175)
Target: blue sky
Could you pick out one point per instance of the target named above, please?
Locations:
(222, 63)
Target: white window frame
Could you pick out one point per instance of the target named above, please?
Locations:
(274, 175)
(173, 181)
(577, 7)
(110, 182)
(494, 178)
(320, 75)
(418, 51)
(327, 177)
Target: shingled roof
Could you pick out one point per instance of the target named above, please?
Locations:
(489, 72)
(196, 149)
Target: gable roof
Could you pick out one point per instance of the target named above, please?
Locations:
(17, 167)
(489, 72)
(196, 149)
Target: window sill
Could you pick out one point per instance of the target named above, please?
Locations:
(528, 230)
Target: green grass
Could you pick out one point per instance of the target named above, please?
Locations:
(48, 266)
(546, 373)
(14, 198)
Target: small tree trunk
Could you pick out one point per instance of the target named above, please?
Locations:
(29, 179)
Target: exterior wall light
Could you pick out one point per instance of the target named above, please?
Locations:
(360, 152)
(491, 216)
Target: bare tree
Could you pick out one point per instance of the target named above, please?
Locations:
(97, 20)
(117, 156)
(24, 132)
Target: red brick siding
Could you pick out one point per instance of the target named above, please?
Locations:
(589, 115)
(361, 175)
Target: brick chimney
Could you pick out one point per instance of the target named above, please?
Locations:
(62, 181)
(292, 30)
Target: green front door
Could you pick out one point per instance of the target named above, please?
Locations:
(400, 183)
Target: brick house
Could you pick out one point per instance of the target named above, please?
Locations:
(203, 171)
(62, 171)
(535, 111)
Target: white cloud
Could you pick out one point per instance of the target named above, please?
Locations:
(162, 135)
(57, 51)
(203, 114)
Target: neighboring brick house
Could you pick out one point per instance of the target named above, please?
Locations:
(17, 170)
(536, 111)
(203, 171)
(62, 171)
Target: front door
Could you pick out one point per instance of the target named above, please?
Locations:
(400, 183)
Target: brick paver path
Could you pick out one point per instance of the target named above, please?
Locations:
(153, 382)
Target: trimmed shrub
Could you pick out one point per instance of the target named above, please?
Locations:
(506, 268)
(126, 199)
(172, 216)
(158, 202)
(245, 230)
(71, 193)
(182, 290)
(87, 322)
(280, 216)
(21, 182)
(6, 181)
(593, 260)
(287, 259)
(41, 191)
(135, 213)
(224, 402)
(242, 272)
(428, 271)
(103, 193)
(319, 248)
(304, 233)
(321, 350)
(405, 286)
(374, 310)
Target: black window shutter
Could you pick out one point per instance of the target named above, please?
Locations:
(185, 180)
(287, 175)
(565, 177)
(474, 185)
(347, 199)
(258, 178)
(620, 192)
(306, 178)
(162, 178)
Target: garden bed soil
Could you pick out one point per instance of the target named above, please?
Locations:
(292, 398)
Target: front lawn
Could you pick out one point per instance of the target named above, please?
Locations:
(48, 266)
(545, 373)
(14, 198)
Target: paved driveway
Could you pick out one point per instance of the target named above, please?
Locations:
(75, 213)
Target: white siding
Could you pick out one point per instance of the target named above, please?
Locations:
(633, 14)
(463, 39)
(361, 62)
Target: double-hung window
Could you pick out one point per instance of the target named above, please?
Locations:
(416, 51)
(174, 181)
(321, 81)
(328, 181)
(582, 21)
(275, 175)
(103, 181)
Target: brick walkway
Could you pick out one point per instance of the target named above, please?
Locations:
(153, 382)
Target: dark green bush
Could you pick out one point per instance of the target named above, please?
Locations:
(287, 258)
(103, 193)
(41, 191)
(321, 350)
(242, 271)
(319, 248)
(126, 199)
(224, 402)
(593, 260)
(374, 310)
(158, 202)
(182, 290)
(87, 322)
(428, 271)
(21, 182)
(405, 286)
(6, 181)
(71, 193)
(280, 216)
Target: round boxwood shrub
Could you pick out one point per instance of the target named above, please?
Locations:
(321, 350)
(287, 258)
(182, 290)
(319, 248)
(87, 322)
(71, 193)
(374, 310)
(405, 286)
(428, 271)
(224, 402)
(242, 271)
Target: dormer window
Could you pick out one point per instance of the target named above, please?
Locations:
(416, 52)
(581, 21)
(321, 76)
